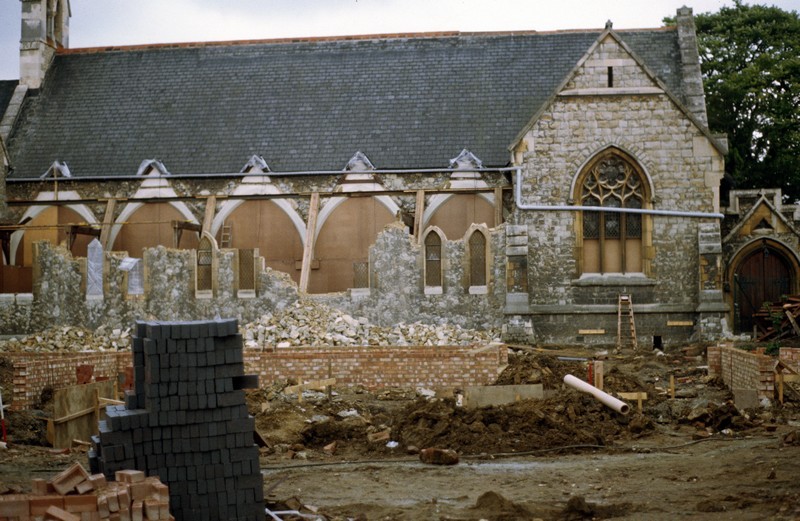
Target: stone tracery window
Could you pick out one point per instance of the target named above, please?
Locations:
(612, 241)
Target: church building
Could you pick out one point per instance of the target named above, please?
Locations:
(552, 185)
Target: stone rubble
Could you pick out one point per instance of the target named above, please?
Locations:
(305, 323)
(69, 339)
(308, 323)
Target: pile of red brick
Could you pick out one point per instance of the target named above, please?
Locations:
(74, 495)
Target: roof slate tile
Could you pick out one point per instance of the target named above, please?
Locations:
(406, 102)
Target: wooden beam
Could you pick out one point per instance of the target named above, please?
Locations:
(308, 245)
(108, 220)
(639, 397)
(179, 226)
(74, 230)
(790, 316)
(419, 211)
(318, 385)
(208, 218)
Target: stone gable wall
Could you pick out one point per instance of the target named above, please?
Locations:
(654, 131)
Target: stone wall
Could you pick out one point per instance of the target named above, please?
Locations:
(684, 169)
(396, 293)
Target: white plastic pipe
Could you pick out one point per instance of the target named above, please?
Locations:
(581, 208)
(604, 398)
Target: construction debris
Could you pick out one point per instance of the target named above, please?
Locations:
(436, 456)
(68, 339)
(73, 495)
(308, 323)
(780, 320)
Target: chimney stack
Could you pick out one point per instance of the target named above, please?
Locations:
(45, 28)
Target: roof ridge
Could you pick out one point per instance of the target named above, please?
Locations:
(343, 38)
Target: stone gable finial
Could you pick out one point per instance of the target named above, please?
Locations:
(609, 25)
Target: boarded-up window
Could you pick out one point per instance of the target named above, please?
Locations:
(94, 270)
(247, 270)
(477, 259)
(612, 241)
(433, 259)
(361, 274)
(205, 256)
(135, 270)
(517, 274)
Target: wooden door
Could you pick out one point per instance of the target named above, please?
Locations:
(764, 276)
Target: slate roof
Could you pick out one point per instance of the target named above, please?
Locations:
(406, 102)
(6, 91)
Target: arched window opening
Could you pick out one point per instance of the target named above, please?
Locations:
(477, 259)
(433, 260)
(205, 258)
(612, 241)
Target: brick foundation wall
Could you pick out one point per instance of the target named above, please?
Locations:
(35, 371)
(372, 367)
(791, 357)
(742, 369)
(381, 367)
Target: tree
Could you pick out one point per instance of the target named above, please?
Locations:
(750, 58)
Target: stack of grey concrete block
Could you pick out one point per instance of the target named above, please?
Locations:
(186, 421)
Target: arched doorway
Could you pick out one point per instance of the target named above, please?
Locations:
(764, 273)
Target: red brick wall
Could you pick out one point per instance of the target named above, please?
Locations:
(791, 357)
(742, 369)
(35, 371)
(372, 367)
(381, 367)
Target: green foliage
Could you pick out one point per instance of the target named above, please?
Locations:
(750, 58)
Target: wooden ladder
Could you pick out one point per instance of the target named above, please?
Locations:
(626, 332)
(226, 236)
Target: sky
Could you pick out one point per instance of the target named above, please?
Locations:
(127, 22)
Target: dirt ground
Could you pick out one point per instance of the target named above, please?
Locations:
(353, 454)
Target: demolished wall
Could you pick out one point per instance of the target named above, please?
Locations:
(396, 292)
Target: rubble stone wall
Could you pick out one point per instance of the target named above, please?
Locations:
(33, 372)
(743, 369)
(380, 367)
(397, 292)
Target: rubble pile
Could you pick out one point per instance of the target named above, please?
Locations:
(74, 495)
(69, 339)
(309, 323)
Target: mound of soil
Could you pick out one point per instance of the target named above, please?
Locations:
(529, 425)
(534, 368)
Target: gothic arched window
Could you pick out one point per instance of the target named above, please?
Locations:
(612, 241)
(433, 259)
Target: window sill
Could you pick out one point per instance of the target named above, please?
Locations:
(433, 290)
(246, 293)
(204, 294)
(613, 279)
(478, 290)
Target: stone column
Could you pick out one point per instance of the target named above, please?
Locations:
(711, 304)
